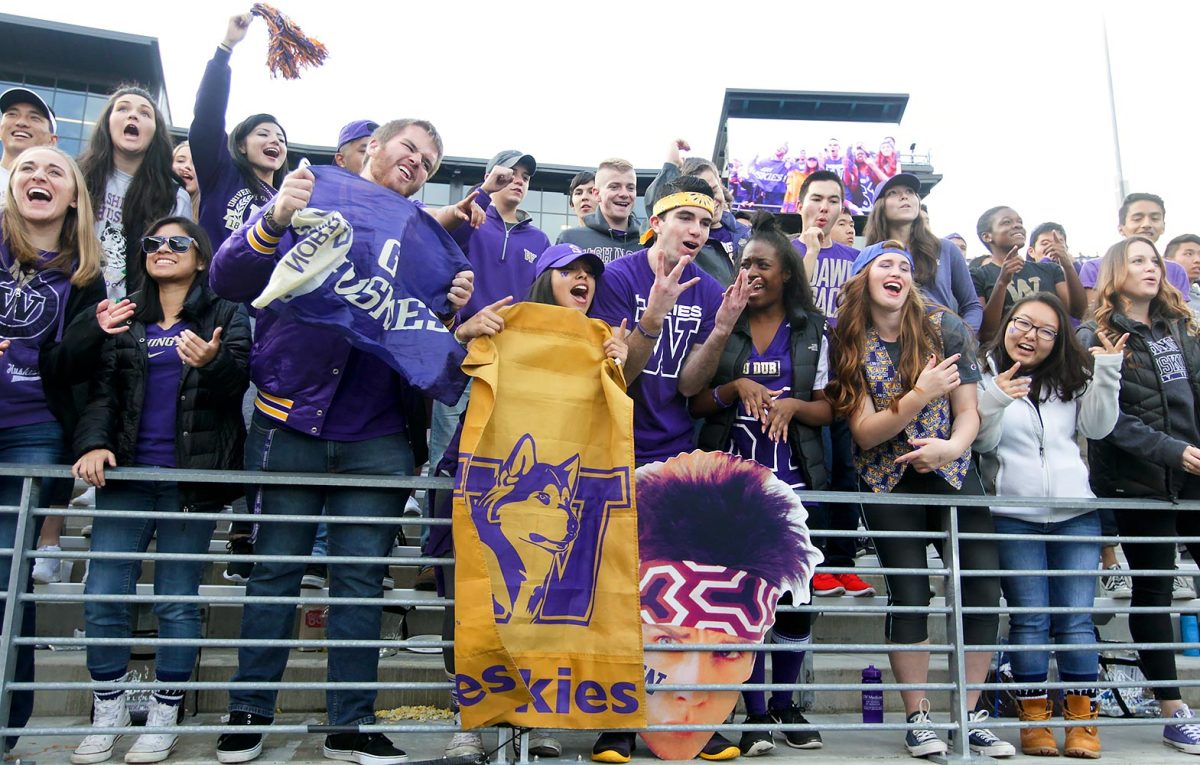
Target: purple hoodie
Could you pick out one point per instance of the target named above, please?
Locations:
(503, 258)
(226, 202)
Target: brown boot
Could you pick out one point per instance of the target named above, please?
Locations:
(1038, 742)
(1083, 741)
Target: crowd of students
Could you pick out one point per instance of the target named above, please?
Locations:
(897, 368)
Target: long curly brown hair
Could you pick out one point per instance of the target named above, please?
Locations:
(1168, 304)
(918, 341)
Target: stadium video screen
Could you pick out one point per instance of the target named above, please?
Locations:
(769, 159)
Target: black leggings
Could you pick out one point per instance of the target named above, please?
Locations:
(899, 552)
(1157, 590)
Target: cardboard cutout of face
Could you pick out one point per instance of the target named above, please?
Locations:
(698, 587)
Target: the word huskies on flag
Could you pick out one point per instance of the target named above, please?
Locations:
(545, 531)
(373, 267)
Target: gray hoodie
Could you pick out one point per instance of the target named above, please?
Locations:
(598, 238)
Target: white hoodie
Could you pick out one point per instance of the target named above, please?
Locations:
(1028, 451)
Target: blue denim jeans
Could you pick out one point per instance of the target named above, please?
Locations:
(272, 448)
(1052, 591)
(39, 444)
(177, 532)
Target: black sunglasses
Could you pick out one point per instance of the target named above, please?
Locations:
(178, 244)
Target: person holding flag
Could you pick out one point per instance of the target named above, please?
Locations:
(332, 368)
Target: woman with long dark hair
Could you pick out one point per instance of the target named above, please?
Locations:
(1040, 389)
(566, 277)
(167, 393)
(1154, 449)
(128, 168)
(50, 340)
(939, 270)
(767, 403)
(238, 172)
(904, 377)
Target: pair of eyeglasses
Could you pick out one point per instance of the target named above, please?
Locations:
(1023, 325)
(179, 244)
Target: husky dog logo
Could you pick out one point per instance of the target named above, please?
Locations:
(532, 506)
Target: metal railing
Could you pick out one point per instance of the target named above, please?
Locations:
(952, 609)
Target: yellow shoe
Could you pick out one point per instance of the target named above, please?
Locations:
(615, 748)
(720, 748)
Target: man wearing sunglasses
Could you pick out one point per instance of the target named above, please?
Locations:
(323, 406)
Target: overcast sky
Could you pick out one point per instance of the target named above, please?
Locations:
(1010, 98)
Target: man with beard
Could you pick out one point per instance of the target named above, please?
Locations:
(323, 406)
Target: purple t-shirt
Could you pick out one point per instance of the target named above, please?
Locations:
(367, 401)
(662, 427)
(31, 312)
(1089, 274)
(832, 271)
(156, 431)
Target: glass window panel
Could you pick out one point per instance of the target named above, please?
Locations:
(555, 202)
(554, 223)
(95, 105)
(532, 201)
(71, 146)
(436, 194)
(536, 218)
(69, 105)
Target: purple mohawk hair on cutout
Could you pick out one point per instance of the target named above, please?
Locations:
(718, 509)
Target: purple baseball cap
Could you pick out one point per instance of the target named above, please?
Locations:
(355, 130)
(871, 252)
(564, 255)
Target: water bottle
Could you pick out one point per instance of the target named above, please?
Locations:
(1189, 632)
(872, 699)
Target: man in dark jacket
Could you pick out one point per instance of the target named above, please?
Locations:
(612, 230)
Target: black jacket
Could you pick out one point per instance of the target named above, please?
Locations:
(1142, 455)
(805, 441)
(210, 430)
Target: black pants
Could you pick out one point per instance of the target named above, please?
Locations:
(899, 552)
(1156, 590)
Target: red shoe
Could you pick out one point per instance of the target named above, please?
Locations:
(855, 587)
(827, 585)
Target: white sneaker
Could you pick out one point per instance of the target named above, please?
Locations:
(86, 499)
(1182, 587)
(1116, 585)
(465, 743)
(542, 744)
(47, 570)
(98, 747)
(412, 508)
(155, 747)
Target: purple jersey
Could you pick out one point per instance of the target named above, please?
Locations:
(156, 430)
(662, 427)
(773, 370)
(832, 271)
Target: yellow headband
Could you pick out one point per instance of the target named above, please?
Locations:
(680, 199)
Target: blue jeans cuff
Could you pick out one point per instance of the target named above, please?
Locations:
(269, 713)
